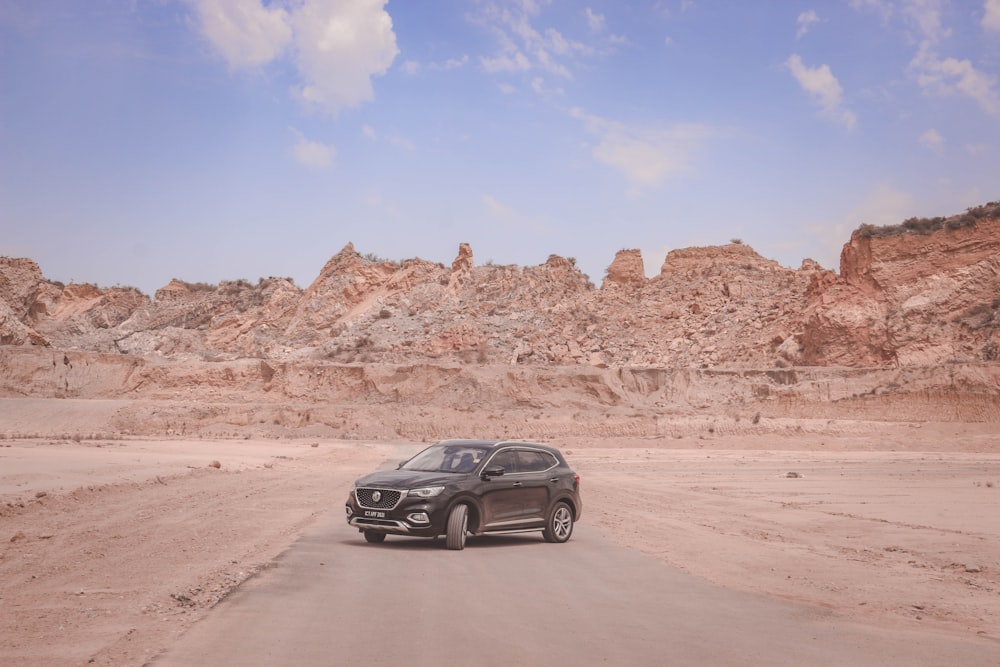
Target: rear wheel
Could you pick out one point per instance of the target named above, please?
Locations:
(374, 536)
(458, 523)
(559, 526)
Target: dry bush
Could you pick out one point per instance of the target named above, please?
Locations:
(929, 225)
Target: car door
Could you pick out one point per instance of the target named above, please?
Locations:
(520, 497)
(537, 486)
(501, 495)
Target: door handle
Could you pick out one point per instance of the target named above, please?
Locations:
(516, 484)
(554, 480)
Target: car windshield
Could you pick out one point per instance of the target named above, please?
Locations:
(447, 458)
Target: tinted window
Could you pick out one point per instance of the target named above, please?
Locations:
(507, 460)
(446, 458)
(531, 461)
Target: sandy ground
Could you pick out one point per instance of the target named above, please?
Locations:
(110, 549)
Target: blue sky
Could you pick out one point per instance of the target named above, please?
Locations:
(211, 140)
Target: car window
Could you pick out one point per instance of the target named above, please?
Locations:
(447, 458)
(464, 460)
(534, 461)
(506, 459)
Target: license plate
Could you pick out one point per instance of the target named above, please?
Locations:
(375, 515)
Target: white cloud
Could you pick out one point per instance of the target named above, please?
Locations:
(506, 62)
(312, 153)
(506, 88)
(647, 156)
(522, 46)
(498, 209)
(557, 42)
(824, 88)
(454, 63)
(341, 45)
(805, 22)
(948, 76)
(540, 86)
(926, 15)
(595, 21)
(662, 7)
(549, 64)
(338, 45)
(944, 76)
(991, 15)
(933, 140)
(882, 7)
(413, 67)
(244, 32)
(369, 133)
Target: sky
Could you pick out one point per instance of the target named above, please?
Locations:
(210, 140)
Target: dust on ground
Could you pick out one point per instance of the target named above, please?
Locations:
(110, 549)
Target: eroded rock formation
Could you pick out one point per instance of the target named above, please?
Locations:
(918, 295)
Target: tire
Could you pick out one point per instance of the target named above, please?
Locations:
(458, 523)
(559, 525)
(374, 536)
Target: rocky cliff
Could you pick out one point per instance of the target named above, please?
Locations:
(912, 297)
(907, 330)
(916, 295)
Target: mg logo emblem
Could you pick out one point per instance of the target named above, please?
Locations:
(376, 496)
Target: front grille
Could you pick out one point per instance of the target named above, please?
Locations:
(387, 498)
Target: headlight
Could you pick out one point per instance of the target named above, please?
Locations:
(426, 492)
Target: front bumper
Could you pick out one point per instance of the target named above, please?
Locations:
(417, 519)
(392, 526)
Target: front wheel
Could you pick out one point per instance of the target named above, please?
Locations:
(374, 536)
(559, 526)
(458, 523)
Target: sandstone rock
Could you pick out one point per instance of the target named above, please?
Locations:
(627, 270)
(461, 268)
(790, 350)
(910, 298)
(900, 299)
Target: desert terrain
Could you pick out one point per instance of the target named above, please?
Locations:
(113, 548)
(829, 438)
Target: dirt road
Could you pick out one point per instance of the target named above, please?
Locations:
(334, 599)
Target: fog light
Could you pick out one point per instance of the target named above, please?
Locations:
(418, 517)
(347, 508)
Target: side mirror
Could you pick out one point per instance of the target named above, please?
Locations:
(401, 464)
(493, 471)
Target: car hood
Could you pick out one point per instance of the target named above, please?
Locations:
(406, 479)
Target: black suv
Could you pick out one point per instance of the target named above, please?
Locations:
(478, 487)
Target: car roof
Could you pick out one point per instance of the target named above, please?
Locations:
(494, 444)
